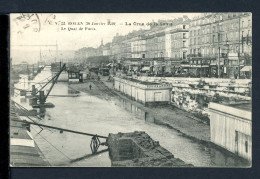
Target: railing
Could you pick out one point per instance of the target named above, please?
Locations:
(222, 55)
(194, 55)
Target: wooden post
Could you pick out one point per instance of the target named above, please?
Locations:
(33, 101)
(42, 109)
(42, 97)
(33, 90)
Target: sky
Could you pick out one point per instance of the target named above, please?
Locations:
(72, 31)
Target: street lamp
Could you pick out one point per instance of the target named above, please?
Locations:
(218, 56)
(238, 56)
(162, 68)
(227, 66)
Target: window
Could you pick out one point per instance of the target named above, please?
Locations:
(184, 35)
(220, 27)
(184, 44)
(249, 23)
(242, 24)
(184, 26)
(246, 146)
(184, 55)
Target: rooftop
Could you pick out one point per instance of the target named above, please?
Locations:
(240, 110)
(243, 106)
(142, 82)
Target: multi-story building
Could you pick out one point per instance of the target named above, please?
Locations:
(155, 43)
(176, 39)
(217, 40)
(138, 47)
(107, 49)
(116, 46)
(215, 45)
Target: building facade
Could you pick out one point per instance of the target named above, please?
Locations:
(219, 39)
(210, 45)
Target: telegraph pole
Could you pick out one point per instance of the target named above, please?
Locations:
(218, 54)
(238, 54)
(218, 61)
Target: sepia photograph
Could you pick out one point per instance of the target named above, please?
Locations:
(131, 90)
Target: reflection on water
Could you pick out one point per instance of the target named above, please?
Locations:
(99, 116)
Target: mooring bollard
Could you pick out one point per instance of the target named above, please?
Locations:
(42, 110)
(33, 101)
(22, 93)
(42, 97)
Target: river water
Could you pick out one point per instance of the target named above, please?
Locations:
(95, 115)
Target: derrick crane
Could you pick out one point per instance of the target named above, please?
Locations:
(53, 80)
(41, 97)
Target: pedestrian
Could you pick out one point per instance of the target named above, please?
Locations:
(90, 86)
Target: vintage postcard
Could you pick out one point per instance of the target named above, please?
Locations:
(131, 90)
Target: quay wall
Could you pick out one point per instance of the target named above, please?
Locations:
(24, 152)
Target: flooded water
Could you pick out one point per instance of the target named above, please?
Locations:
(91, 114)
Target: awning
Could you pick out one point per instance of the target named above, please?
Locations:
(246, 68)
(146, 69)
(213, 63)
(108, 64)
(233, 56)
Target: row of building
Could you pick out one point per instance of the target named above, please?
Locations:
(210, 44)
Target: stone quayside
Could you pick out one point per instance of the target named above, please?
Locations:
(137, 149)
